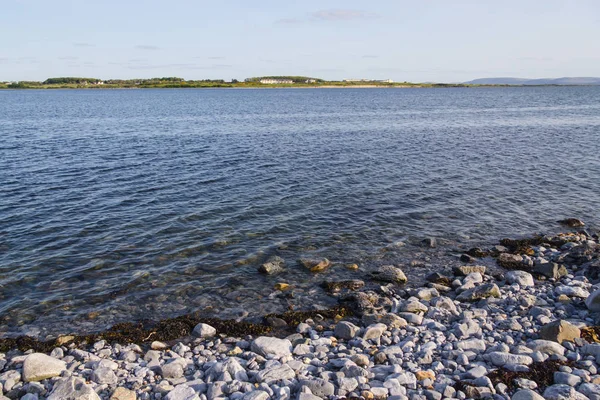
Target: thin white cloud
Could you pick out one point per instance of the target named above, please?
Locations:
(83, 44)
(176, 66)
(146, 47)
(342, 15)
(290, 21)
(332, 15)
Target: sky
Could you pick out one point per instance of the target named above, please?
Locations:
(417, 41)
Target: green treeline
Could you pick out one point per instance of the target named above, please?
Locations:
(295, 79)
(176, 82)
(70, 80)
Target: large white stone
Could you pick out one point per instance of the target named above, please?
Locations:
(265, 346)
(500, 359)
(523, 278)
(547, 347)
(526, 394)
(563, 392)
(182, 392)
(572, 291)
(589, 389)
(346, 330)
(204, 331)
(38, 366)
(72, 389)
(256, 395)
(274, 374)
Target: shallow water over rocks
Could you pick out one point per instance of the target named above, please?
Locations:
(125, 205)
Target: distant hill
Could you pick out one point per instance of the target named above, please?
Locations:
(542, 81)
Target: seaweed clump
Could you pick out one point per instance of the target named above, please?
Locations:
(522, 246)
(591, 334)
(541, 373)
(293, 318)
(166, 330)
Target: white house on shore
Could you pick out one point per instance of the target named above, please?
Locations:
(370, 80)
(270, 81)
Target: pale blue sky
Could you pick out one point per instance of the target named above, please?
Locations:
(445, 41)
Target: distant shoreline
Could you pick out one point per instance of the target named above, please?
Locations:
(415, 86)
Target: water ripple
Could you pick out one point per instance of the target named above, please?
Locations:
(121, 205)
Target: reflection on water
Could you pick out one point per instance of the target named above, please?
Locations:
(120, 205)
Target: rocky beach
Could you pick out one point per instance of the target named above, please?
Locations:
(529, 332)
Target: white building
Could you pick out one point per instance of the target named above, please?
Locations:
(271, 81)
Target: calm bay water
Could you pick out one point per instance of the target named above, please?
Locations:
(131, 204)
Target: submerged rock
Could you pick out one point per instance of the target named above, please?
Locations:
(274, 265)
(572, 222)
(389, 273)
(314, 265)
(335, 287)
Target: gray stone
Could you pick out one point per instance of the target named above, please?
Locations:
(182, 392)
(593, 301)
(480, 292)
(546, 346)
(72, 389)
(276, 373)
(346, 330)
(265, 346)
(465, 270)
(204, 331)
(566, 379)
(38, 366)
(389, 273)
(413, 306)
(274, 265)
(476, 345)
(256, 395)
(500, 359)
(308, 396)
(572, 291)
(361, 360)
(319, 387)
(172, 370)
(374, 331)
(526, 394)
(104, 375)
(476, 372)
(562, 392)
(589, 389)
(524, 279)
(550, 270)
